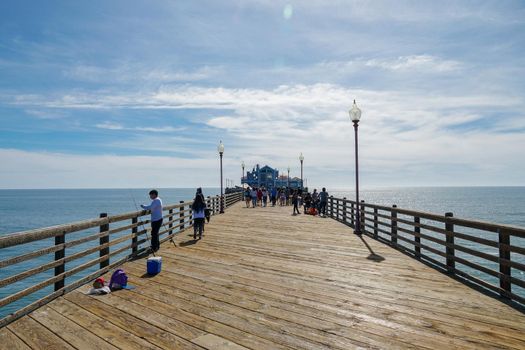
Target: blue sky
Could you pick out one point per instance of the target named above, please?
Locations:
(138, 93)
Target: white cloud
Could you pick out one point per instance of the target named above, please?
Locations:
(47, 114)
(110, 126)
(124, 72)
(58, 170)
(116, 126)
(418, 62)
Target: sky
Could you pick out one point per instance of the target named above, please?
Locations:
(138, 94)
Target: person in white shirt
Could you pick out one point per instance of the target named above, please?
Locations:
(156, 218)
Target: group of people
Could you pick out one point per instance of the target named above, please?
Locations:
(198, 207)
(313, 203)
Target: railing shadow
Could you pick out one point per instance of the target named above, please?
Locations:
(373, 256)
(188, 243)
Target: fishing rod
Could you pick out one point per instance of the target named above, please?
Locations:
(141, 223)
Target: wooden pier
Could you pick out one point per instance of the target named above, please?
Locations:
(264, 279)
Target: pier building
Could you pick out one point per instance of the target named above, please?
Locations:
(269, 177)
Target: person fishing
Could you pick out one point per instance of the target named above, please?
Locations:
(156, 218)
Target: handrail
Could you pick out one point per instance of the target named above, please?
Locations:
(124, 237)
(443, 240)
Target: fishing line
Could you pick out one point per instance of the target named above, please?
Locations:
(141, 223)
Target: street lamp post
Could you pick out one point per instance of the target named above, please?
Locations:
(220, 148)
(242, 176)
(355, 115)
(301, 158)
(288, 177)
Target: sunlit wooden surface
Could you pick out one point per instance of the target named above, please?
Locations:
(264, 279)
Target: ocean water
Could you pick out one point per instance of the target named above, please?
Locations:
(22, 210)
(501, 205)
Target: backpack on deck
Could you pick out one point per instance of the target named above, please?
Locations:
(118, 280)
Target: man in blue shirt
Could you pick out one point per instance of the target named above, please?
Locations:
(323, 197)
(156, 218)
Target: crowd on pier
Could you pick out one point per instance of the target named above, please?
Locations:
(312, 203)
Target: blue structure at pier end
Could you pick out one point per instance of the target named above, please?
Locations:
(269, 178)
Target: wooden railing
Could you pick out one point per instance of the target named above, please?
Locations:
(108, 238)
(489, 255)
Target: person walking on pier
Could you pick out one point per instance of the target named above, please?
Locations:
(253, 194)
(156, 218)
(295, 201)
(282, 197)
(259, 197)
(198, 207)
(323, 201)
(273, 196)
(247, 197)
(264, 197)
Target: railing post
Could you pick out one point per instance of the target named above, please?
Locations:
(181, 215)
(504, 269)
(375, 223)
(417, 237)
(60, 254)
(103, 240)
(344, 210)
(352, 215)
(190, 223)
(393, 225)
(362, 217)
(329, 211)
(134, 240)
(449, 227)
(170, 225)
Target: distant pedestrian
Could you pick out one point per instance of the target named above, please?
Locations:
(247, 197)
(259, 196)
(323, 200)
(253, 194)
(264, 197)
(273, 196)
(156, 218)
(307, 202)
(282, 197)
(198, 207)
(295, 202)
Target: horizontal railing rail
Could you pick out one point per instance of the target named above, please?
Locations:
(487, 254)
(82, 251)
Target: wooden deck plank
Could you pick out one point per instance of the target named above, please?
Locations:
(263, 279)
(424, 334)
(103, 328)
(277, 302)
(213, 342)
(367, 300)
(9, 340)
(77, 336)
(136, 326)
(213, 327)
(37, 336)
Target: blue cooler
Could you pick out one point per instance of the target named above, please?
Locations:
(154, 265)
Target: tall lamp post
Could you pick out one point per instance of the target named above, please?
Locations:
(220, 148)
(355, 115)
(288, 176)
(242, 176)
(301, 158)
